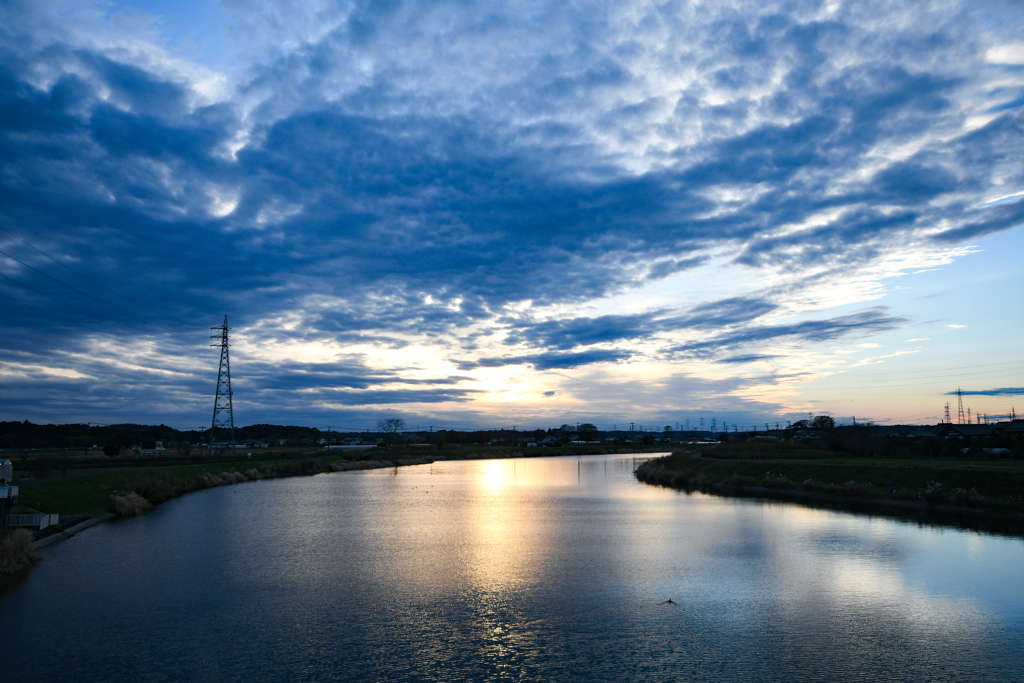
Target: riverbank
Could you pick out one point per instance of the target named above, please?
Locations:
(968, 496)
(132, 487)
(85, 487)
(85, 500)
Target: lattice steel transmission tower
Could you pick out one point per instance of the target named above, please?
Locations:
(223, 411)
(960, 406)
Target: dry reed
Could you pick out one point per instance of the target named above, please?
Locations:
(16, 550)
(129, 504)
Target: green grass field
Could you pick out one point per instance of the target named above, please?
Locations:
(996, 480)
(90, 493)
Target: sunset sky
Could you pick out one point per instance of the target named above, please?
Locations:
(475, 214)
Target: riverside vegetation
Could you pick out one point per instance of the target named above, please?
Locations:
(89, 486)
(78, 487)
(16, 550)
(981, 494)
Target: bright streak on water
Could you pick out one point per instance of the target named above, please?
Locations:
(532, 569)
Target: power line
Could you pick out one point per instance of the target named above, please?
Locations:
(60, 301)
(85, 277)
(75, 289)
(977, 375)
(69, 268)
(59, 317)
(913, 375)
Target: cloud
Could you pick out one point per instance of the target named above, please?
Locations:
(550, 361)
(1011, 53)
(564, 334)
(871, 321)
(486, 183)
(1007, 391)
(748, 358)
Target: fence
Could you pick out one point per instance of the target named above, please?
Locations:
(34, 521)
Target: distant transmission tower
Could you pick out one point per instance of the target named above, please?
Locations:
(223, 412)
(960, 406)
(947, 420)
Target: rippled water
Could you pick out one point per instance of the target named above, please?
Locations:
(534, 569)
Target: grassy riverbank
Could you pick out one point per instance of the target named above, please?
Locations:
(86, 486)
(989, 487)
(90, 494)
(81, 487)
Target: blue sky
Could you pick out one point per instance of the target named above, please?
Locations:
(468, 214)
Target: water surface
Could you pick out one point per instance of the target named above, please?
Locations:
(531, 569)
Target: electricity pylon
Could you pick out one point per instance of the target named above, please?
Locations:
(222, 401)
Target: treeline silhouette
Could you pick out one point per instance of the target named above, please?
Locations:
(25, 435)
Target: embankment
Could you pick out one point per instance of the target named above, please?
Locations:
(79, 487)
(132, 487)
(976, 498)
(91, 494)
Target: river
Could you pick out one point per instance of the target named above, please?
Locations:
(528, 569)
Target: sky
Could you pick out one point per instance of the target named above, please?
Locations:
(481, 215)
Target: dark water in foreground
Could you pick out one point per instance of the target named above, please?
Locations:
(539, 569)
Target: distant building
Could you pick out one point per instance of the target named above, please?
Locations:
(8, 491)
(1009, 427)
(960, 431)
(805, 435)
(149, 447)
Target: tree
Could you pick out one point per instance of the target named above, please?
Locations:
(390, 428)
(588, 432)
(824, 422)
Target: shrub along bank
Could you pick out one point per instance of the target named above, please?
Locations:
(90, 492)
(911, 482)
(16, 550)
(131, 492)
(100, 491)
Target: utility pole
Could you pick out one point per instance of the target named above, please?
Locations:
(222, 402)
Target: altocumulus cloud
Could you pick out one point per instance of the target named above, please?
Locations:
(383, 194)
